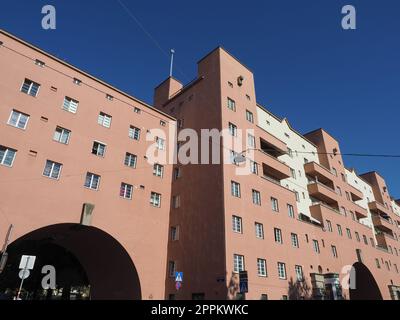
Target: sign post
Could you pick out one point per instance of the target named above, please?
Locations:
(26, 264)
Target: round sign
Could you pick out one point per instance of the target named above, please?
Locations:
(23, 274)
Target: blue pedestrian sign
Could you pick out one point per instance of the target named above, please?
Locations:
(244, 287)
(178, 276)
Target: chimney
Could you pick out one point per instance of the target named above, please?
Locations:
(164, 91)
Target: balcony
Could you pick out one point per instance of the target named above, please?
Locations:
(323, 193)
(318, 171)
(378, 208)
(382, 224)
(271, 143)
(272, 167)
(321, 211)
(382, 239)
(355, 193)
(359, 211)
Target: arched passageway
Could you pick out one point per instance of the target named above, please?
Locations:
(366, 287)
(89, 263)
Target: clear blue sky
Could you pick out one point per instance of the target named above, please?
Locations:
(306, 66)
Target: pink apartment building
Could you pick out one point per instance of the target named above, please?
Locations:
(77, 185)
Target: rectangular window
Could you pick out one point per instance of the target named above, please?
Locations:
(70, 105)
(259, 230)
(357, 236)
(281, 270)
(316, 246)
(176, 201)
(158, 170)
(18, 119)
(231, 104)
(7, 156)
(278, 235)
(30, 87)
(249, 116)
(348, 233)
(237, 224)
(290, 152)
(253, 167)
(137, 110)
(175, 233)
(290, 211)
(251, 141)
(52, 169)
(274, 204)
(378, 265)
(235, 189)
(297, 196)
(299, 273)
(329, 225)
(261, 267)
(334, 251)
(134, 133)
(61, 135)
(293, 173)
(339, 228)
(232, 129)
(339, 191)
(295, 240)
(99, 149)
(238, 263)
(160, 143)
(171, 268)
(92, 181)
(155, 199)
(177, 173)
(104, 120)
(365, 239)
(126, 191)
(256, 197)
(130, 160)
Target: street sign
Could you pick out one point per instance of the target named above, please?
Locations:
(178, 285)
(27, 262)
(178, 276)
(23, 274)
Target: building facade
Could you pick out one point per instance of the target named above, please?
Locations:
(75, 174)
(297, 224)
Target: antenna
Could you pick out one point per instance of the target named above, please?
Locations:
(172, 62)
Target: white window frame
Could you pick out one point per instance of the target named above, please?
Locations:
(176, 201)
(99, 144)
(278, 235)
(174, 233)
(19, 116)
(316, 246)
(171, 268)
(63, 132)
(249, 116)
(295, 240)
(238, 263)
(160, 143)
(5, 155)
(282, 271)
(93, 175)
(155, 199)
(253, 167)
(134, 133)
(130, 157)
(235, 189)
(256, 196)
(275, 204)
(259, 227)
(127, 191)
(30, 87)
(237, 224)
(261, 267)
(53, 165)
(232, 129)
(231, 104)
(299, 273)
(104, 120)
(158, 170)
(251, 141)
(290, 211)
(70, 105)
